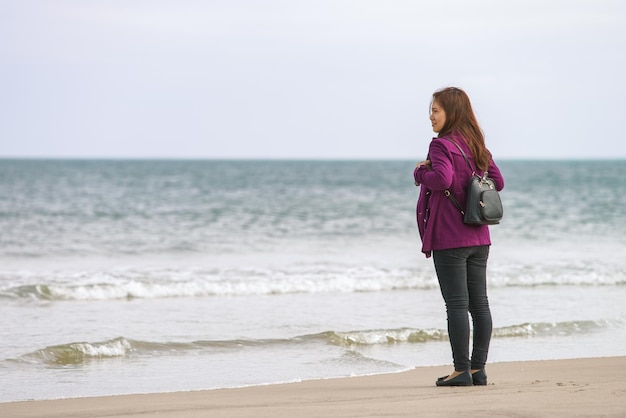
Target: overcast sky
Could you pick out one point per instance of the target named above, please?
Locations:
(307, 78)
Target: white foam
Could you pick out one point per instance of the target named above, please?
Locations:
(114, 348)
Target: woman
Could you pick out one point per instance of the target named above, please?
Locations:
(459, 251)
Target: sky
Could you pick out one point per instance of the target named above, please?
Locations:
(307, 79)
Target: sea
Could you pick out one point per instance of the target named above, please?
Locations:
(151, 276)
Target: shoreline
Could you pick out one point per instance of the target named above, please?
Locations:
(570, 387)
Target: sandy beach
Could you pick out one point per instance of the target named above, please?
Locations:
(567, 388)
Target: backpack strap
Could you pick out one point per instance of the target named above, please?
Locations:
(454, 201)
(462, 153)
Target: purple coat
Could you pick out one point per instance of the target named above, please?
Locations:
(439, 222)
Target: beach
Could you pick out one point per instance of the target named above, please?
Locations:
(551, 388)
(127, 277)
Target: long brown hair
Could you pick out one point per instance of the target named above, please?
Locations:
(460, 119)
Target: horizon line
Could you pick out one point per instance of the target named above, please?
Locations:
(317, 158)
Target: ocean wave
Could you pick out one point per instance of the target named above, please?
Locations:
(571, 273)
(391, 336)
(82, 352)
(236, 282)
(118, 285)
(547, 329)
(77, 353)
(410, 335)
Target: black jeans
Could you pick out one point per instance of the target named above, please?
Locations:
(462, 274)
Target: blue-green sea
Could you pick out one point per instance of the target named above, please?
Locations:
(135, 276)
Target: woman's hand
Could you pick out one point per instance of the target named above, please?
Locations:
(425, 163)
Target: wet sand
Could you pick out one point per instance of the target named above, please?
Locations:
(553, 388)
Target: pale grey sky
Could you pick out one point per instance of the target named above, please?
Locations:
(307, 78)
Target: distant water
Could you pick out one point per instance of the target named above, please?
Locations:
(156, 276)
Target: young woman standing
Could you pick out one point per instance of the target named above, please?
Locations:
(459, 251)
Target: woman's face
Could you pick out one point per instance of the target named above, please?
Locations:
(437, 117)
